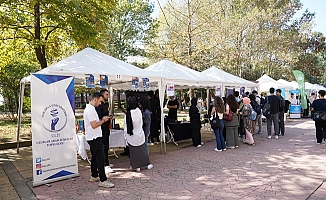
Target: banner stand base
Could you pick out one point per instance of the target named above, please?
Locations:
(54, 180)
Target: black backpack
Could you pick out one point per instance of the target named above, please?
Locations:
(266, 108)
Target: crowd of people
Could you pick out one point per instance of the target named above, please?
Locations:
(236, 118)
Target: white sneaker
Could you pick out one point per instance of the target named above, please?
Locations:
(269, 137)
(202, 143)
(276, 136)
(150, 166)
(224, 149)
(138, 170)
(231, 147)
(217, 149)
(94, 179)
(199, 146)
(236, 146)
(106, 184)
(108, 170)
(111, 165)
(151, 143)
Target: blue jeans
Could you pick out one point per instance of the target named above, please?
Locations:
(146, 144)
(220, 142)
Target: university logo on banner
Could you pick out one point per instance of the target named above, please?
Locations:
(53, 128)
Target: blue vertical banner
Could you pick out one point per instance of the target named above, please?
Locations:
(104, 81)
(53, 128)
(90, 82)
(135, 82)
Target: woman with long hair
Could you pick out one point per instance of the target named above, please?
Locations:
(135, 136)
(144, 105)
(217, 112)
(232, 140)
(195, 125)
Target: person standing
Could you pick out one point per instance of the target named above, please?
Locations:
(293, 100)
(155, 109)
(319, 105)
(232, 127)
(145, 108)
(274, 103)
(103, 110)
(173, 108)
(281, 113)
(256, 107)
(217, 112)
(259, 114)
(195, 125)
(93, 135)
(135, 136)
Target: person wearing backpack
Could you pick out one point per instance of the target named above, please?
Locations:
(281, 113)
(260, 102)
(274, 104)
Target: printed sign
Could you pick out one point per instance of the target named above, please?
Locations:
(53, 128)
(218, 90)
(170, 89)
(146, 84)
(90, 83)
(104, 81)
(135, 82)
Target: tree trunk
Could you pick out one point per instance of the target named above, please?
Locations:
(39, 48)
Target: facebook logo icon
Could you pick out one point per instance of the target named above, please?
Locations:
(39, 172)
(38, 160)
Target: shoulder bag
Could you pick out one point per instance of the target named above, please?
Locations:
(215, 122)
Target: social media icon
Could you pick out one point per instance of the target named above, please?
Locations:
(38, 160)
(38, 166)
(39, 172)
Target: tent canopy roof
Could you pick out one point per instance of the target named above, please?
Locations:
(266, 82)
(179, 74)
(227, 78)
(90, 61)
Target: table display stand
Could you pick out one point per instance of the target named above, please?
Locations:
(170, 136)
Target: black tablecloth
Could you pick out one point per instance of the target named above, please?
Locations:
(181, 130)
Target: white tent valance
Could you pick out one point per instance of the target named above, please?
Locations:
(227, 79)
(266, 82)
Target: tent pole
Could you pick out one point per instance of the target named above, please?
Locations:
(111, 102)
(20, 110)
(208, 102)
(161, 97)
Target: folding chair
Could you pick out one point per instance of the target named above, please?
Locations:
(169, 132)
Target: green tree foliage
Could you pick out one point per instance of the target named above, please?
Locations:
(10, 76)
(48, 27)
(126, 29)
(247, 38)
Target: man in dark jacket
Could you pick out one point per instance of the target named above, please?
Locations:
(319, 105)
(281, 113)
(274, 103)
(103, 110)
(155, 109)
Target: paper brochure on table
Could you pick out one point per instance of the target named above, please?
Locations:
(170, 89)
(53, 128)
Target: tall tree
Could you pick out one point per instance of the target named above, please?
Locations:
(47, 25)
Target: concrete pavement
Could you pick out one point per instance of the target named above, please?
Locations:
(291, 167)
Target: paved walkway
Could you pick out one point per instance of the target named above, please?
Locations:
(292, 167)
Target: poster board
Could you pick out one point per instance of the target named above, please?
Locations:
(53, 128)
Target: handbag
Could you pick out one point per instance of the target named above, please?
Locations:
(319, 116)
(228, 117)
(215, 122)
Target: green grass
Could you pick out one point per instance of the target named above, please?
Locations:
(8, 130)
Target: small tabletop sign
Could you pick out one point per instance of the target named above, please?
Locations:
(104, 81)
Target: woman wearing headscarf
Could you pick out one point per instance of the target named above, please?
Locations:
(217, 112)
(247, 123)
(195, 125)
(135, 136)
(232, 140)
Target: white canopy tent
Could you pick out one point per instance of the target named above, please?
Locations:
(265, 82)
(90, 61)
(287, 83)
(227, 79)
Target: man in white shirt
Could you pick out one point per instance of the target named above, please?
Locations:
(293, 100)
(93, 135)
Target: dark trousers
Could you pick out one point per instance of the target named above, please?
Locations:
(320, 130)
(97, 162)
(154, 130)
(106, 146)
(196, 137)
(273, 118)
(281, 124)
